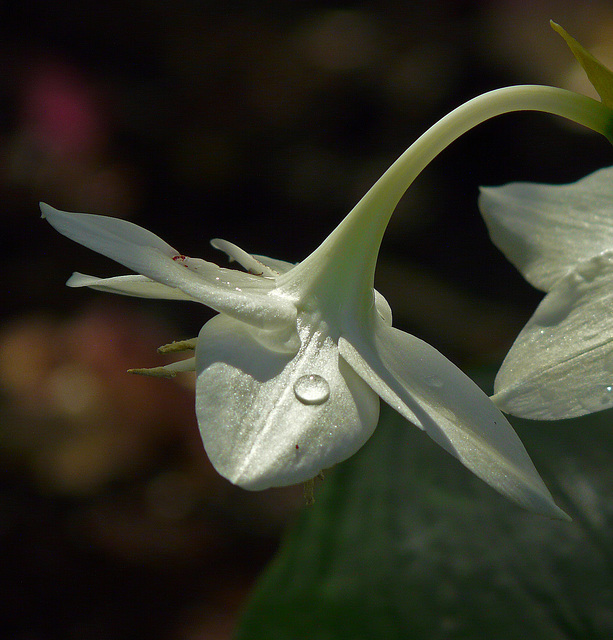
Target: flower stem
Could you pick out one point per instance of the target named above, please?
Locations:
(355, 242)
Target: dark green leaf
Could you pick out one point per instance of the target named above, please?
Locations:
(403, 542)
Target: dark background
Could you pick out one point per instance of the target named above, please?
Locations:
(262, 123)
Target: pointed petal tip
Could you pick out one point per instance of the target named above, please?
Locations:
(561, 515)
(532, 495)
(77, 279)
(48, 212)
(44, 209)
(542, 504)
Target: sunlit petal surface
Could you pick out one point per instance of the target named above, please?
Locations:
(135, 286)
(454, 412)
(271, 419)
(561, 364)
(546, 230)
(238, 294)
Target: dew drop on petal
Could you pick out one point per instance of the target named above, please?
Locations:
(312, 389)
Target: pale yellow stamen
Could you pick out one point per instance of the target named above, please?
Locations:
(154, 372)
(308, 489)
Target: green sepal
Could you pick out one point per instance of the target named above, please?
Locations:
(597, 73)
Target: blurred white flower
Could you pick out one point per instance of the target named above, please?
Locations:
(561, 239)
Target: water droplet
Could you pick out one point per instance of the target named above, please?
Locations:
(312, 389)
(608, 396)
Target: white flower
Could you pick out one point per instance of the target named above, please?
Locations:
(561, 239)
(289, 374)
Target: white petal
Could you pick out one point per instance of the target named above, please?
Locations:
(454, 411)
(145, 253)
(136, 286)
(255, 429)
(168, 370)
(280, 266)
(247, 261)
(546, 230)
(383, 308)
(182, 366)
(561, 364)
(367, 364)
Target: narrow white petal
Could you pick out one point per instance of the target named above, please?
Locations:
(168, 370)
(136, 286)
(145, 253)
(280, 266)
(365, 361)
(383, 308)
(546, 230)
(182, 366)
(256, 430)
(455, 413)
(561, 364)
(247, 261)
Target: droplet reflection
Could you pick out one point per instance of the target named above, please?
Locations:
(312, 389)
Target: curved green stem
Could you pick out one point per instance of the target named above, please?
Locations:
(348, 256)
